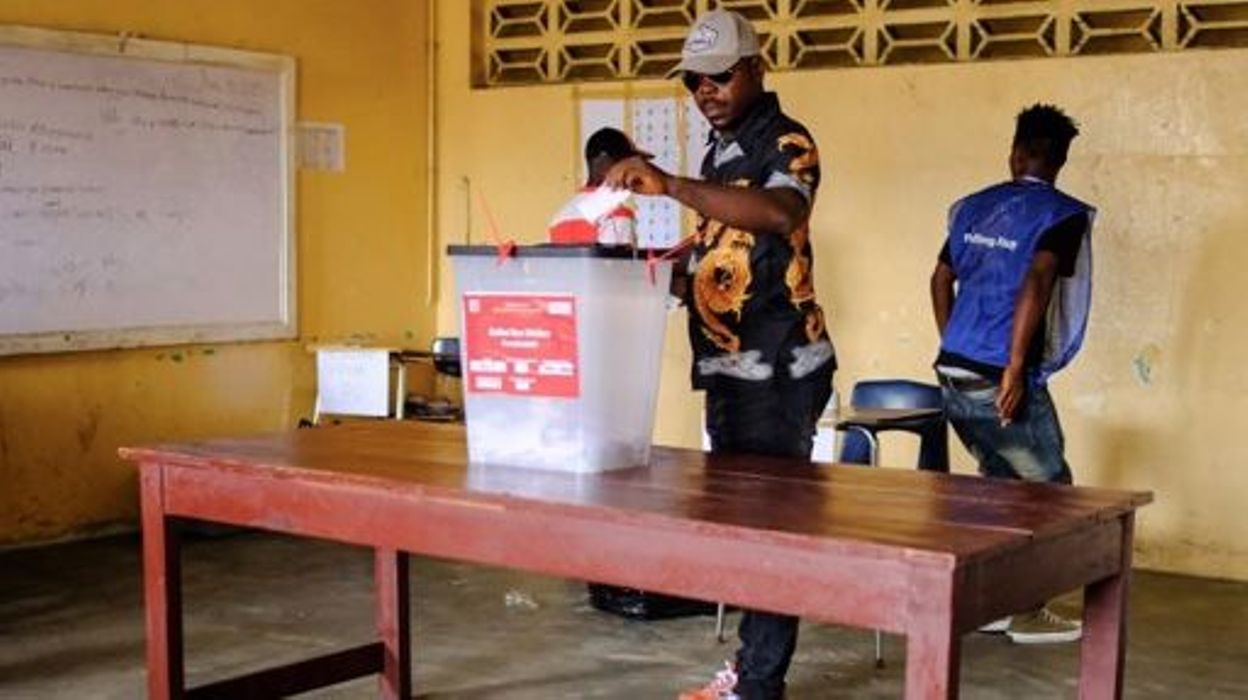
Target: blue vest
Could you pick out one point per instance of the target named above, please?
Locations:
(992, 240)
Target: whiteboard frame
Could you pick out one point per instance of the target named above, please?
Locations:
(126, 45)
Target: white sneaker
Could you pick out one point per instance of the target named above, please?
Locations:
(1043, 626)
(722, 687)
(997, 626)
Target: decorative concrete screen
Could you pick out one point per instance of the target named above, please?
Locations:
(558, 41)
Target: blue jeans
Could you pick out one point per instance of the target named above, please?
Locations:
(775, 418)
(1029, 448)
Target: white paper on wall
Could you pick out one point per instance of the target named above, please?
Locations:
(656, 129)
(596, 114)
(697, 130)
(322, 146)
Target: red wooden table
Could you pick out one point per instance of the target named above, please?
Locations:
(927, 555)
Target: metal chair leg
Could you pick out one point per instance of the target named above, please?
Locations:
(874, 451)
(719, 623)
(873, 458)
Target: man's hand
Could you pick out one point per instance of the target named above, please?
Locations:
(1033, 299)
(1010, 397)
(639, 175)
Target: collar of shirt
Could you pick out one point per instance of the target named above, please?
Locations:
(761, 113)
(1033, 180)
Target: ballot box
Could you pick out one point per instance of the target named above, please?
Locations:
(561, 350)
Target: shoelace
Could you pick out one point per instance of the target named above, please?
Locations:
(1052, 618)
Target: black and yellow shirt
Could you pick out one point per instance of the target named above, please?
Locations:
(752, 309)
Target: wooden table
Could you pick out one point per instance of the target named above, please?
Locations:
(927, 555)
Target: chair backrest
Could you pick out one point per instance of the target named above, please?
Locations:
(897, 393)
(446, 356)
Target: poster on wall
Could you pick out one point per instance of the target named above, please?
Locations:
(656, 130)
(521, 344)
(697, 139)
(597, 114)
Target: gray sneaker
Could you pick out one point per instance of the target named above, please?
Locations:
(1043, 626)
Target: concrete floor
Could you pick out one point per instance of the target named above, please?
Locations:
(71, 626)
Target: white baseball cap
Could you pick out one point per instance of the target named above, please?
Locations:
(717, 41)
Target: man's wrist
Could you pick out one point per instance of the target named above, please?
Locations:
(672, 185)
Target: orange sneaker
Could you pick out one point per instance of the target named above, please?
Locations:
(722, 687)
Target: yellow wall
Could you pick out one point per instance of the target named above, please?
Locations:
(1154, 402)
(1156, 397)
(362, 255)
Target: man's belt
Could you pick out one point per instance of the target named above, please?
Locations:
(965, 384)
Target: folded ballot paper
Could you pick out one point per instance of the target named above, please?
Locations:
(583, 218)
(597, 203)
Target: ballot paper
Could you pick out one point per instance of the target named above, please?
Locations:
(592, 206)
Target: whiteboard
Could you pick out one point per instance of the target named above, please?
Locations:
(146, 193)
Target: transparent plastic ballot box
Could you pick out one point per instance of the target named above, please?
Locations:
(561, 352)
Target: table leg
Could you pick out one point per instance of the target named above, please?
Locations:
(394, 623)
(1103, 650)
(162, 589)
(933, 661)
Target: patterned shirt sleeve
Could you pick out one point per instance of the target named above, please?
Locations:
(794, 163)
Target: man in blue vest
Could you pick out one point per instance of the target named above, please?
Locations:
(1020, 255)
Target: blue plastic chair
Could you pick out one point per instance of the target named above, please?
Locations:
(860, 444)
(445, 352)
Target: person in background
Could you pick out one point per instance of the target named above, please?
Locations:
(1019, 254)
(604, 148)
(760, 345)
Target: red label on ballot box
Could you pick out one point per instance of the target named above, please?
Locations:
(521, 344)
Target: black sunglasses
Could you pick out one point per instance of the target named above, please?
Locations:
(692, 80)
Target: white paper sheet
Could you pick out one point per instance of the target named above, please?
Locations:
(353, 382)
(592, 206)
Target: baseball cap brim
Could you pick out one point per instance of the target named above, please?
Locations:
(705, 64)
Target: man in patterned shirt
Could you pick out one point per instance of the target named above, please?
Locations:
(761, 348)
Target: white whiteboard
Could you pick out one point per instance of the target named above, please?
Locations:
(146, 193)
